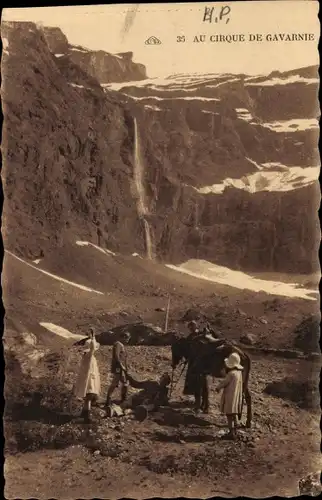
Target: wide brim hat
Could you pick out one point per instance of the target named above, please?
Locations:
(233, 361)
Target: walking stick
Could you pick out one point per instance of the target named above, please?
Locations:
(167, 316)
(171, 386)
(174, 385)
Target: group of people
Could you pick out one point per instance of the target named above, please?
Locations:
(152, 394)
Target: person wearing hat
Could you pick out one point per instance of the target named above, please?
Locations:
(119, 368)
(232, 396)
(88, 384)
(193, 329)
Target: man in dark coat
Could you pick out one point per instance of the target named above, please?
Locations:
(191, 377)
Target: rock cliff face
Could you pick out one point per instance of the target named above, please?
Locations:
(67, 160)
(228, 162)
(56, 40)
(101, 65)
(107, 67)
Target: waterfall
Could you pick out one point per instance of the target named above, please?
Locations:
(196, 215)
(148, 239)
(142, 208)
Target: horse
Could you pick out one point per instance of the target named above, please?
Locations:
(208, 358)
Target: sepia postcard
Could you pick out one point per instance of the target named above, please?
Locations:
(161, 234)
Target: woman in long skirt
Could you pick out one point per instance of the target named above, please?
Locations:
(232, 397)
(88, 384)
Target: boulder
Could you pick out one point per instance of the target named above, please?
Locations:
(289, 353)
(307, 334)
(141, 334)
(304, 393)
(310, 485)
(22, 349)
(248, 339)
(28, 338)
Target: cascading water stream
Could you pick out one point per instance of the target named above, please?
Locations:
(141, 203)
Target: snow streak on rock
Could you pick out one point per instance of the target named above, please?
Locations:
(284, 81)
(54, 276)
(296, 125)
(272, 180)
(88, 243)
(62, 332)
(237, 279)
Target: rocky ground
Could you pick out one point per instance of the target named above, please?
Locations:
(78, 186)
(174, 452)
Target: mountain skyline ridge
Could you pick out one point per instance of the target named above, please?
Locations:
(195, 137)
(87, 26)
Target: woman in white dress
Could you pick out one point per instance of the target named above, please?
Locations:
(232, 397)
(88, 384)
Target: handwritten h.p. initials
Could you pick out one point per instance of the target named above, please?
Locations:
(209, 12)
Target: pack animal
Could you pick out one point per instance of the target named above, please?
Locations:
(205, 359)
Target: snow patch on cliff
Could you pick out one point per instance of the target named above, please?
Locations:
(284, 81)
(253, 162)
(194, 98)
(295, 125)
(154, 108)
(76, 49)
(244, 114)
(88, 243)
(284, 179)
(231, 80)
(237, 279)
(77, 86)
(185, 83)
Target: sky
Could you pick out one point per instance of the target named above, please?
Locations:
(121, 28)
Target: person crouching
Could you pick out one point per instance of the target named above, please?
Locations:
(151, 396)
(232, 396)
(88, 384)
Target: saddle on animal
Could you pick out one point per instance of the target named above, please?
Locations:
(212, 339)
